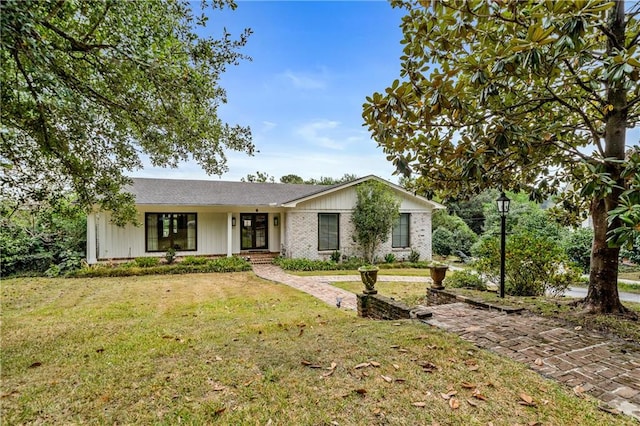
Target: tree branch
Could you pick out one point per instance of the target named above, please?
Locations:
(34, 94)
(581, 83)
(76, 45)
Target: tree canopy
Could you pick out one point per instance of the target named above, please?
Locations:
(89, 89)
(531, 96)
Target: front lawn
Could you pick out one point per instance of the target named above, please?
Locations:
(234, 349)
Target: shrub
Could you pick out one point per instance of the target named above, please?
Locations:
(335, 256)
(146, 262)
(193, 260)
(533, 264)
(414, 256)
(170, 255)
(466, 279)
(442, 240)
(223, 264)
(578, 247)
(389, 258)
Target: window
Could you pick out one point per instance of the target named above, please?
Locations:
(166, 230)
(400, 235)
(328, 231)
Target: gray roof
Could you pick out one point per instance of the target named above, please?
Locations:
(218, 193)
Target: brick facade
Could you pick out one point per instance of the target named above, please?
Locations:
(302, 236)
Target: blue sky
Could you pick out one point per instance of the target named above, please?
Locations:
(314, 63)
(302, 94)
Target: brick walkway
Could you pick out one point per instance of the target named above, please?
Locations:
(586, 361)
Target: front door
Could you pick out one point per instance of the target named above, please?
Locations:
(253, 231)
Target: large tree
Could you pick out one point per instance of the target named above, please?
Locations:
(532, 96)
(90, 88)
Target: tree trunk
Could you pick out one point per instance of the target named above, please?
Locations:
(602, 296)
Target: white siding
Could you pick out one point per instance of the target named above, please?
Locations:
(128, 242)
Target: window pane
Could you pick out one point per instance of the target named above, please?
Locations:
(166, 230)
(328, 235)
(400, 235)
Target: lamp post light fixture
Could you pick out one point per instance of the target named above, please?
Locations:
(503, 208)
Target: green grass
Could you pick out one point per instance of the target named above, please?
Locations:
(232, 349)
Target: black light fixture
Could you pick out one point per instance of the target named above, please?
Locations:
(275, 221)
(233, 221)
(503, 209)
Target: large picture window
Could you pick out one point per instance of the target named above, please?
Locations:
(328, 231)
(400, 235)
(166, 230)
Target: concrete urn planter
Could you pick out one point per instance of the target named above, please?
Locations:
(369, 276)
(438, 274)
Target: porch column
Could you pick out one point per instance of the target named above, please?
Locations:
(91, 239)
(229, 234)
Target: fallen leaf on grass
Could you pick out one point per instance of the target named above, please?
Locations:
(333, 366)
(419, 404)
(35, 364)
(329, 373)
(454, 403)
(474, 368)
(375, 364)
(301, 332)
(220, 411)
(360, 391)
(448, 395)
(526, 400)
(467, 385)
(362, 365)
(396, 366)
(534, 423)
(377, 411)
(539, 362)
(478, 395)
(386, 378)
(310, 364)
(472, 402)
(579, 391)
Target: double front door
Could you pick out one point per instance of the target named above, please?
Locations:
(253, 231)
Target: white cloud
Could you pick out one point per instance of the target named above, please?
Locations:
(316, 133)
(267, 126)
(306, 81)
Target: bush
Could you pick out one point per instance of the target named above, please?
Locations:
(335, 256)
(223, 264)
(193, 260)
(389, 258)
(414, 256)
(147, 262)
(534, 264)
(466, 279)
(442, 240)
(577, 245)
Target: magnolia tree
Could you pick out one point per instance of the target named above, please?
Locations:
(526, 96)
(373, 216)
(89, 89)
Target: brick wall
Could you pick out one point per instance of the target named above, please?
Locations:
(380, 307)
(302, 237)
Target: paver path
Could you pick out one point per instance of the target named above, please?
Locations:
(606, 368)
(587, 361)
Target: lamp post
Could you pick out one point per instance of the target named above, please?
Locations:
(503, 208)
